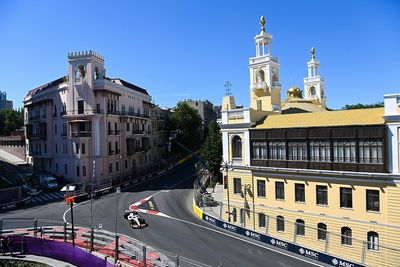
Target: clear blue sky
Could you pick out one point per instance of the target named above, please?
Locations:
(188, 49)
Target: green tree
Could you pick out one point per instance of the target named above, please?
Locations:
(361, 106)
(212, 148)
(188, 123)
(10, 120)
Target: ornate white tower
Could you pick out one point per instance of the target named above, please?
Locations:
(314, 83)
(265, 88)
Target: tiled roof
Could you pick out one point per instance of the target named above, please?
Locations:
(129, 85)
(371, 116)
(47, 85)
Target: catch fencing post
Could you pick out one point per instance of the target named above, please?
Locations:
(65, 232)
(177, 261)
(364, 248)
(144, 256)
(91, 238)
(116, 248)
(35, 227)
(327, 242)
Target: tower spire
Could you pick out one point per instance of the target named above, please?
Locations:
(228, 86)
(262, 22)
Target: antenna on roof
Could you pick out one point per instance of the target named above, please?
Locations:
(228, 86)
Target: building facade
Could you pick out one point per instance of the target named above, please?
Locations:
(326, 180)
(4, 103)
(205, 109)
(86, 125)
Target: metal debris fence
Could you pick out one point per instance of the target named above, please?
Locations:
(98, 242)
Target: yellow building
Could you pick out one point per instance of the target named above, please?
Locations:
(325, 180)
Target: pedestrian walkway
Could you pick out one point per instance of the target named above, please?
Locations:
(46, 197)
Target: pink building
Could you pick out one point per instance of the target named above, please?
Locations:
(86, 121)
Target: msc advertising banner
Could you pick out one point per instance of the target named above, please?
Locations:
(302, 251)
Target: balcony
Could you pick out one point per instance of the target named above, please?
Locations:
(110, 152)
(34, 118)
(117, 151)
(110, 132)
(113, 112)
(81, 134)
(138, 132)
(117, 132)
(134, 114)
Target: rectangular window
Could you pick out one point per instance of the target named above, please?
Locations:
(57, 167)
(261, 188)
(116, 166)
(126, 164)
(372, 200)
(77, 148)
(55, 128)
(371, 152)
(297, 150)
(261, 220)
(346, 197)
(277, 150)
(80, 107)
(65, 169)
(344, 151)
(320, 151)
(237, 185)
(128, 126)
(322, 195)
(83, 150)
(299, 192)
(279, 190)
(77, 171)
(259, 104)
(83, 171)
(260, 150)
(110, 168)
(98, 108)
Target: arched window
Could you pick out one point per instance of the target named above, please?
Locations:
(346, 236)
(322, 231)
(300, 228)
(373, 240)
(236, 147)
(96, 73)
(280, 223)
(260, 76)
(312, 91)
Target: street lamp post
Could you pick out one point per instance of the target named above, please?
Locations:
(226, 165)
(245, 188)
(117, 191)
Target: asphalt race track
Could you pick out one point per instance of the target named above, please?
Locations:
(182, 234)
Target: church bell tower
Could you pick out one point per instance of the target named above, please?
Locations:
(314, 83)
(265, 88)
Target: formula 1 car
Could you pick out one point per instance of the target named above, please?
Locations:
(135, 220)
